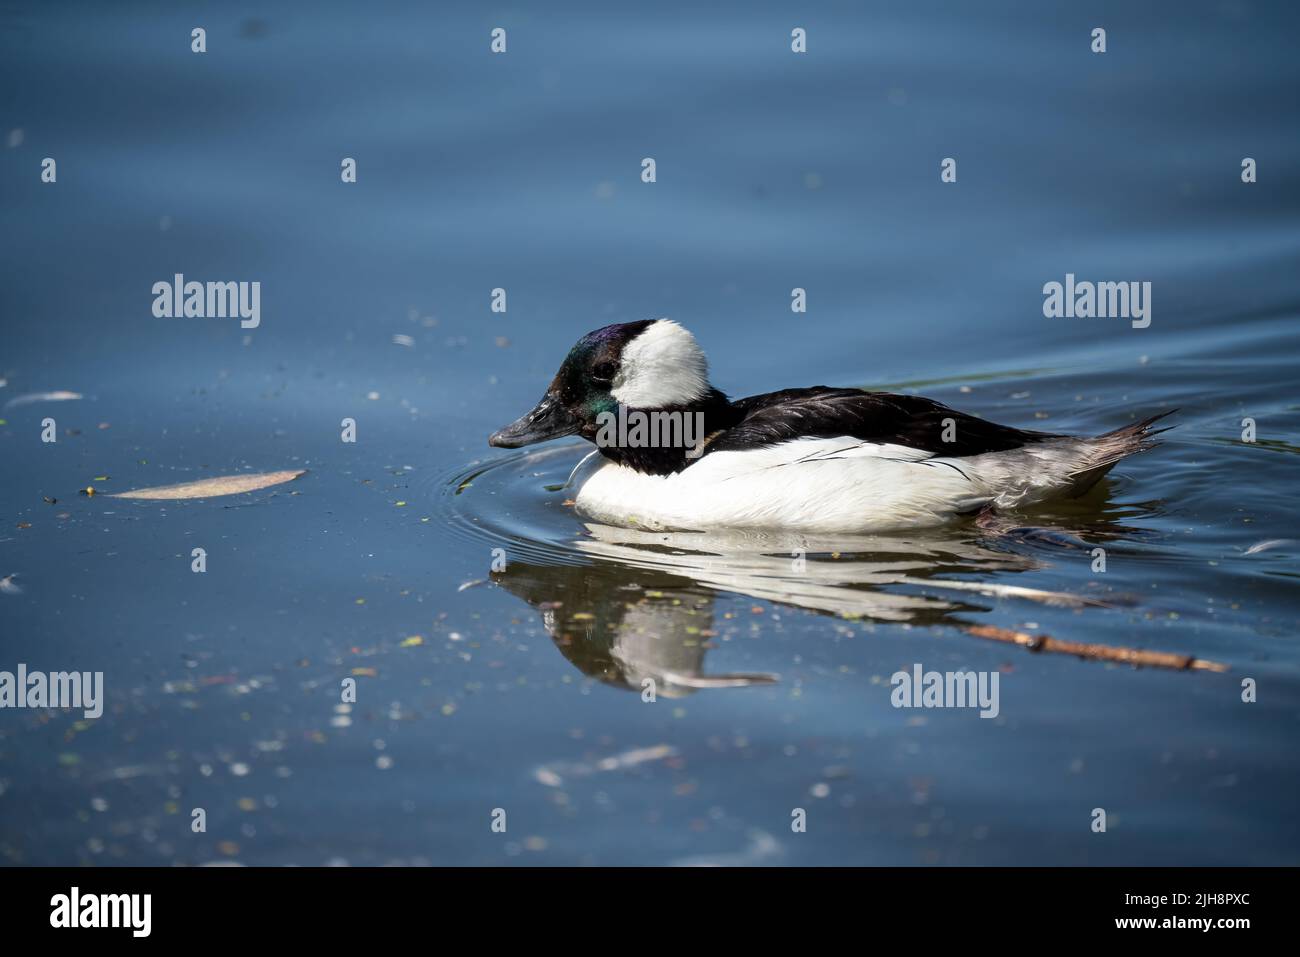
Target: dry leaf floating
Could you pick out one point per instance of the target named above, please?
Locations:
(213, 487)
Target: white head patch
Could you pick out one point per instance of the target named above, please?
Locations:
(662, 366)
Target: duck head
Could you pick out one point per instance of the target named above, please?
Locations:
(654, 365)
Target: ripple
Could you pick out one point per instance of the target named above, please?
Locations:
(514, 502)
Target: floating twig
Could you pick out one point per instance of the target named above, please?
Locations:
(1137, 657)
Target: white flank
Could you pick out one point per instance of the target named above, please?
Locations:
(662, 366)
(836, 485)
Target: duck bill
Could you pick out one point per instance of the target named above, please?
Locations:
(550, 420)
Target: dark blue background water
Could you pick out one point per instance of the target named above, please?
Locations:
(522, 171)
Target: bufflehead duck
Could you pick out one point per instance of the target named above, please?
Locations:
(819, 459)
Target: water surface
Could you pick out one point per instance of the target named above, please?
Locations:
(520, 688)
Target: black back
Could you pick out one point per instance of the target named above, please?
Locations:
(881, 417)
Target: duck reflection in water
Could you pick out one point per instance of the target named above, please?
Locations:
(644, 606)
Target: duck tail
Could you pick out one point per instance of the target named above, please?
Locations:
(1112, 446)
(1065, 466)
(1102, 452)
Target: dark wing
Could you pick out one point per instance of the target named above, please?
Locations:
(877, 417)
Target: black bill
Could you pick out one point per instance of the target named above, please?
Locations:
(550, 420)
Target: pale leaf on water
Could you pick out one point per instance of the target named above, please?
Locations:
(211, 488)
(31, 397)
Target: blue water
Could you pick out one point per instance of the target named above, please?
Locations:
(522, 171)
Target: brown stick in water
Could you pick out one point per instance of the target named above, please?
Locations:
(1127, 656)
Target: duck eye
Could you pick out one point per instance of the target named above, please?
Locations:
(604, 371)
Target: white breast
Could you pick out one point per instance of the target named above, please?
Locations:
(810, 484)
